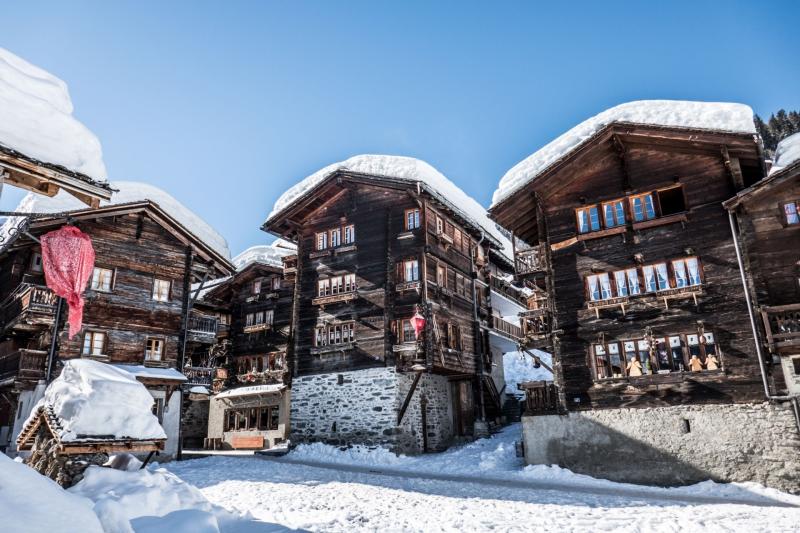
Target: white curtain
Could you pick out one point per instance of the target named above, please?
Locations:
(622, 287)
(663, 279)
(649, 279)
(633, 281)
(594, 294)
(605, 286)
(680, 273)
(694, 271)
(583, 223)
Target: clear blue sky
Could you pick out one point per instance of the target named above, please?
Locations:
(226, 104)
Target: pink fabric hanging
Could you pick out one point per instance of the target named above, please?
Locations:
(68, 262)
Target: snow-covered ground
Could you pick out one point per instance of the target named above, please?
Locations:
(477, 487)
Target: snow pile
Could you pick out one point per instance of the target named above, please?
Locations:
(518, 368)
(149, 501)
(128, 192)
(787, 153)
(36, 119)
(717, 116)
(93, 399)
(32, 502)
(267, 254)
(404, 168)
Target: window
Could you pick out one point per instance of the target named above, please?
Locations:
(336, 237)
(336, 284)
(273, 417)
(588, 219)
(457, 239)
(792, 212)
(614, 214)
(405, 331)
(671, 201)
(441, 275)
(36, 262)
(158, 409)
(154, 349)
(461, 285)
(94, 343)
(349, 283)
(439, 225)
(412, 219)
(257, 286)
(599, 287)
(607, 361)
(796, 365)
(276, 283)
(349, 234)
(656, 277)
(642, 207)
(252, 419)
(322, 240)
(627, 282)
(323, 287)
(101, 279)
(249, 319)
(409, 271)
(161, 290)
(334, 334)
(452, 338)
(269, 315)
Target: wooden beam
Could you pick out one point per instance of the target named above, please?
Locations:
(733, 167)
(407, 401)
(620, 149)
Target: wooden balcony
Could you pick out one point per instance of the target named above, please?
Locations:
(541, 398)
(596, 305)
(335, 298)
(536, 325)
(264, 377)
(782, 325)
(199, 375)
(532, 260)
(407, 286)
(507, 329)
(253, 328)
(202, 328)
(509, 291)
(29, 307)
(28, 365)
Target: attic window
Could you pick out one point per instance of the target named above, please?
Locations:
(671, 201)
(792, 212)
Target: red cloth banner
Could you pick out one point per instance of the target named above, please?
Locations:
(68, 262)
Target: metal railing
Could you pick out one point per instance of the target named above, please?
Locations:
(532, 260)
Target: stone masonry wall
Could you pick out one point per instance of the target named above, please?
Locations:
(672, 445)
(345, 407)
(361, 407)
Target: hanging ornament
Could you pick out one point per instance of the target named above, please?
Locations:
(419, 324)
(68, 262)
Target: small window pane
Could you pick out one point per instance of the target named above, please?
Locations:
(792, 216)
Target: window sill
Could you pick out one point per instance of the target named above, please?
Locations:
(691, 291)
(660, 221)
(658, 378)
(335, 298)
(344, 249)
(601, 233)
(345, 346)
(408, 234)
(408, 286)
(319, 253)
(156, 364)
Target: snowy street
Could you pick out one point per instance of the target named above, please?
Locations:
(360, 490)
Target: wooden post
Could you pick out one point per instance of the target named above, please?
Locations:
(51, 355)
(423, 404)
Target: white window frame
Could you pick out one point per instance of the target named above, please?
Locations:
(349, 234)
(102, 279)
(90, 343)
(160, 292)
(154, 349)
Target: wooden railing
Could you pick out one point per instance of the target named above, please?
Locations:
(261, 378)
(541, 397)
(23, 364)
(532, 260)
(28, 298)
(252, 328)
(507, 290)
(203, 325)
(536, 323)
(507, 328)
(198, 375)
(782, 325)
(335, 298)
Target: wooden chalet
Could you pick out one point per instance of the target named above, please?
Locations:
(372, 252)
(767, 224)
(138, 309)
(249, 408)
(627, 241)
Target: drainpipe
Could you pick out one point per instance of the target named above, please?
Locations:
(478, 332)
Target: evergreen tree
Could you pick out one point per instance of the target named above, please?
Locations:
(779, 126)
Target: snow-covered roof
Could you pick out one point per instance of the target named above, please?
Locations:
(93, 399)
(404, 168)
(787, 153)
(128, 192)
(141, 371)
(518, 367)
(267, 254)
(36, 119)
(199, 389)
(716, 116)
(251, 390)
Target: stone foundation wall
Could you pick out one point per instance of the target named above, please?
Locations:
(361, 407)
(672, 445)
(345, 407)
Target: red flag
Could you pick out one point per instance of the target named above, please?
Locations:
(68, 262)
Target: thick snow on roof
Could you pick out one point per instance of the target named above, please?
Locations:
(406, 168)
(268, 254)
(249, 391)
(129, 191)
(36, 119)
(141, 371)
(787, 153)
(717, 116)
(94, 399)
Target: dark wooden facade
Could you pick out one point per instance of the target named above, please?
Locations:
(408, 251)
(135, 245)
(768, 227)
(567, 249)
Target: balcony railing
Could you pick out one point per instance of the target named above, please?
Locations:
(507, 329)
(33, 300)
(203, 325)
(782, 325)
(532, 260)
(509, 291)
(264, 377)
(541, 398)
(252, 328)
(335, 298)
(199, 375)
(23, 364)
